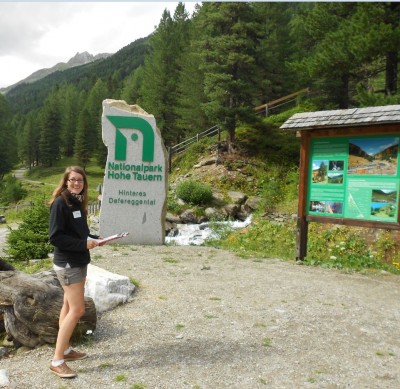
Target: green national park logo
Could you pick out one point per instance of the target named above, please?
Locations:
(121, 142)
(120, 168)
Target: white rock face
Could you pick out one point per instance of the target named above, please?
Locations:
(107, 289)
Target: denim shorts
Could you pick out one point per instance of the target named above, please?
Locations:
(70, 275)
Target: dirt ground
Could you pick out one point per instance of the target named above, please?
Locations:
(205, 318)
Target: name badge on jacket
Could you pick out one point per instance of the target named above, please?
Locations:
(76, 214)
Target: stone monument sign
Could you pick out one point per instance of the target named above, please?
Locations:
(135, 185)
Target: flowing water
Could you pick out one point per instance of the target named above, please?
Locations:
(196, 234)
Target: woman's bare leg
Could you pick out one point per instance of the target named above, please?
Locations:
(72, 310)
(64, 311)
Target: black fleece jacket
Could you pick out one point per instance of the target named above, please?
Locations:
(68, 233)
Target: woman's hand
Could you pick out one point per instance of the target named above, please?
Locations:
(91, 244)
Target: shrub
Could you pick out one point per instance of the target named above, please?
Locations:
(11, 190)
(273, 187)
(30, 240)
(194, 192)
(343, 247)
(261, 239)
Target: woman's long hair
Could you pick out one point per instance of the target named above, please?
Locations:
(61, 189)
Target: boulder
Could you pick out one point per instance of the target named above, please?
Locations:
(252, 203)
(172, 218)
(237, 197)
(188, 216)
(214, 214)
(107, 289)
(232, 210)
(217, 198)
(4, 380)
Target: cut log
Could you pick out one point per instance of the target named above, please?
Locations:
(31, 306)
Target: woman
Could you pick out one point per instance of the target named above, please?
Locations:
(68, 233)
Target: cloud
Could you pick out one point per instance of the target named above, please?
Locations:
(34, 36)
(23, 25)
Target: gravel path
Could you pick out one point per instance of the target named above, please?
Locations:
(204, 318)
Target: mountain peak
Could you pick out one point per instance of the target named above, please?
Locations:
(77, 60)
(81, 59)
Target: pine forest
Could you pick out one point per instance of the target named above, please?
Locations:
(210, 68)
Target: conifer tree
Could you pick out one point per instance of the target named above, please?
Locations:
(94, 104)
(379, 40)
(84, 138)
(191, 118)
(275, 50)
(71, 101)
(29, 141)
(229, 49)
(346, 44)
(50, 132)
(132, 86)
(161, 72)
(8, 152)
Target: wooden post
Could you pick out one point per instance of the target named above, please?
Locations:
(301, 238)
(169, 159)
(302, 224)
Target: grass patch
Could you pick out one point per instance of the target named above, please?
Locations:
(47, 179)
(134, 282)
(261, 239)
(381, 353)
(259, 325)
(121, 378)
(340, 247)
(105, 366)
(34, 266)
(170, 260)
(138, 386)
(266, 342)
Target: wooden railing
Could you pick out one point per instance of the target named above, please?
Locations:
(265, 109)
(181, 147)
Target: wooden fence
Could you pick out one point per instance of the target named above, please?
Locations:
(93, 208)
(265, 109)
(181, 147)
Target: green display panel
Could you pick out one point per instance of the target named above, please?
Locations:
(354, 177)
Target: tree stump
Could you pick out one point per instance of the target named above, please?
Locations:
(31, 305)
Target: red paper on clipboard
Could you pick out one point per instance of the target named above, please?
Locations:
(102, 242)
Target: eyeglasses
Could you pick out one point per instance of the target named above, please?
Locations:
(74, 181)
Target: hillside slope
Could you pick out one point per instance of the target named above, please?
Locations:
(26, 97)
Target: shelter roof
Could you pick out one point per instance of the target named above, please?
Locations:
(343, 118)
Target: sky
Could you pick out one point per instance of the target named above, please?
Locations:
(38, 35)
